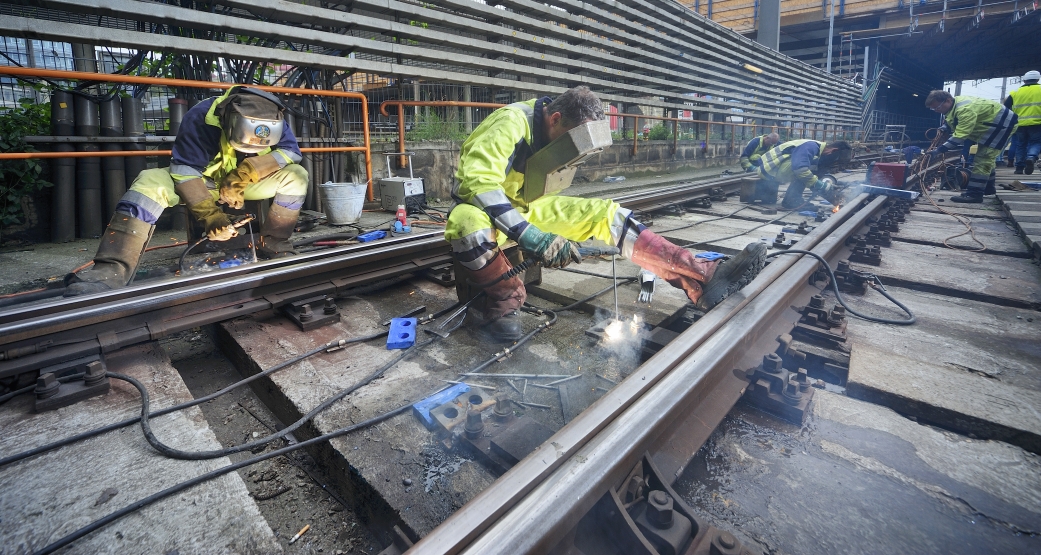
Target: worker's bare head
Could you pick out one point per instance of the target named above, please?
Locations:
(835, 153)
(771, 139)
(571, 109)
(939, 101)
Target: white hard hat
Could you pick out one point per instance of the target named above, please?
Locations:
(1032, 75)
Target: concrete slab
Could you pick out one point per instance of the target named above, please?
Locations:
(934, 228)
(370, 466)
(948, 397)
(962, 335)
(991, 278)
(860, 479)
(53, 494)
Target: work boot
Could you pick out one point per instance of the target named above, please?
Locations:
(697, 276)
(495, 315)
(274, 237)
(969, 196)
(1010, 163)
(118, 254)
(990, 189)
(1019, 171)
(1029, 167)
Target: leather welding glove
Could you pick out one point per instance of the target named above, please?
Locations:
(202, 206)
(248, 172)
(552, 250)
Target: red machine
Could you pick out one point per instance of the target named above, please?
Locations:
(887, 174)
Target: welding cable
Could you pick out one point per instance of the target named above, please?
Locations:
(838, 295)
(29, 388)
(112, 517)
(594, 274)
(104, 429)
(173, 453)
(746, 207)
(611, 287)
(746, 232)
(506, 351)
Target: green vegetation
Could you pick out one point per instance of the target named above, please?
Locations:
(429, 126)
(660, 133)
(19, 178)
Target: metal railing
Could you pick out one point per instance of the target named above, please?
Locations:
(728, 132)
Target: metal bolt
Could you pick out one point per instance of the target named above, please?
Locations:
(659, 509)
(772, 363)
(843, 266)
(305, 313)
(96, 372)
(502, 407)
(804, 379)
(474, 424)
(791, 393)
(727, 540)
(330, 306)
(47, 385)
(816, 301)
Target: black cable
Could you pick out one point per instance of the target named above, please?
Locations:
(189, 404)
(112, 517)
(597, 294)
(746, 207)
(29, 388)
(512, 348)
(838, 295)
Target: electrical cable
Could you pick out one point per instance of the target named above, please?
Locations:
(115, 426)
(703, 221)
(838, 295)
(923, 163)
(747, 231)
(29, 388)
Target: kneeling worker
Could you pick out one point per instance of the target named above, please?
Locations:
(230, 148)
(799, 162)
(509, 168)
(755, 149)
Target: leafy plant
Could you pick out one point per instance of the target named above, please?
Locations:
(19, 178)
(431, 127)
(660, 133)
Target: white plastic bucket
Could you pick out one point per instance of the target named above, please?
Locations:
(342, 201)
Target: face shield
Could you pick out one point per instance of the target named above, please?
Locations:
(252, 120)
(551, 169)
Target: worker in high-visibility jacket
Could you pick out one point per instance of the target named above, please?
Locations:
(984, 122)
(1026, 103)
(799, 163)
(492, 209)
(229, 149)
(755, 149)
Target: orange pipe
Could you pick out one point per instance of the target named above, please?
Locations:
(137, 79)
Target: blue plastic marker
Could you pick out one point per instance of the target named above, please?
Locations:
(371, 236)
(709, 255)
(422, 408)
(402, 334)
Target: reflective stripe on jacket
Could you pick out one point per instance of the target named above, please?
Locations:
(793, 160)
(1026, 103)
(982, 121)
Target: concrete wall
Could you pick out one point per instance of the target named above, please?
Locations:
(436, 163)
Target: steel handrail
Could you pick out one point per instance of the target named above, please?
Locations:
(169, 82)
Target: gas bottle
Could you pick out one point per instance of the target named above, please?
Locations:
(402, 215)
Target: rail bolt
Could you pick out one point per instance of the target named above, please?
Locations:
(791, 394)
(772, 363)
(474, 424)
(305, 313)
(330, 306)
(502, 407)
(659, 509)
(724, 544)
(47, 385)
(816, 301)
(96, 372)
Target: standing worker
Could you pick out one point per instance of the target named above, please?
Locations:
(509, 169)
(799, 162)
(230, 148)
(984, 122)
(755, 149)
(1026, 103)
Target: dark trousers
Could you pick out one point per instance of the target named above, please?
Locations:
(1028, 141)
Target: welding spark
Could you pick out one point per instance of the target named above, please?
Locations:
(836, 208)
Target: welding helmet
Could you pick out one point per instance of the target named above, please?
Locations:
(552, 168)
(252, 119)
(1032, 75)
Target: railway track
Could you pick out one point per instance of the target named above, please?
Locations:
(571, 493)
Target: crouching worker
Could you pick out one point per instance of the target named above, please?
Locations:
(799, 163)
(755, 149)
(510, 168)
(230, 148)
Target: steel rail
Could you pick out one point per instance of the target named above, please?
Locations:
(539, 486)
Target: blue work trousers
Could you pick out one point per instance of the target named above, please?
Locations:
(1028, 141)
